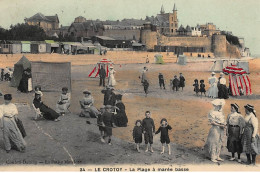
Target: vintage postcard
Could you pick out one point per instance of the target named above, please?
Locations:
(129, 86)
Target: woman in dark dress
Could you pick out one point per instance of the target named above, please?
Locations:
(121, 118)
(23, 85)
(47, 112)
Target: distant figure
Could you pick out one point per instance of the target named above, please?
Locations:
(24, 85)
(196, 87)
(102, 76)
(202, 87)
(182, 81)
(63, 103)
(111, 77)
(146, 87)
(175, 83)
(147, 61)
(241, 92)
(213, 90)
(143, 76)
(2, 74)
(161, 81)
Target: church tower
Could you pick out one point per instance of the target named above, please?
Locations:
(162, 10)
(173, 21)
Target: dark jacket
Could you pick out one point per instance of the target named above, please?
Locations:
(148, 125)
(164, 131)
(102, 73)
(137, 132)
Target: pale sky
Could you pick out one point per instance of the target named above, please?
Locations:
(242, 17)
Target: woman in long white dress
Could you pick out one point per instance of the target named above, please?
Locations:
(216, 133)
(63, 103)
(213, 90)
(11, 133)
(111, 77)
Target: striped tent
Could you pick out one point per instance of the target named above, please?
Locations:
(106, 64)
(238, 80)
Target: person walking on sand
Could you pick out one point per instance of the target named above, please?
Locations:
(213, 90)
(146, 87)
(11, 133)
(138, 134)
(161, 81)
(175, 83)
(111, 77)
(143, 75)
(102, 76)
(164, 128)
(235, 127)
(182, 81)
(216, 133)
(250, 133)
(148, 130)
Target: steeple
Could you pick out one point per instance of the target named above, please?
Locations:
(162, 10)
(174, 8)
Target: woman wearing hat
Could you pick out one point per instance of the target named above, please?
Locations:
(216, 133)
(235, 126)
(250, 132)
(48, 113)
(24, 85)
(63, 103)
(111, 77)
(11, 133)
(222, 88)
(87, 106)
(120, 116)
(213, 90)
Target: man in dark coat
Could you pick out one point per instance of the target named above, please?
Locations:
(175, 83)
(161, 81)
(102, 76)
(109, 96)
(182, 81)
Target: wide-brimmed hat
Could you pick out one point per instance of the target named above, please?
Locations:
(111, 67)
(64, 89)
(221, 74)
(86, 91)
(8, 97)
(249, 107)
(235, 106)
(213, 73)
(218, 102)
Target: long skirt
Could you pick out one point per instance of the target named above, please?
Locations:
(62, 108)
(111, 80)
(12, 135)
(247, 139)
(214, 142)
(213, 91)
(48, 113)
(234, 143)
(89, 112)
(222, 92)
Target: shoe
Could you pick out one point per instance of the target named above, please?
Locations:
(214, 160)
(146, 150)
(232, 159)
(239, 160)
(162, 152)
(138, 151)
(151, 150)
(56, 120)
(219, 159)
(109, 143)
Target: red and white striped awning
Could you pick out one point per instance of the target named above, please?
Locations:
(233, 69)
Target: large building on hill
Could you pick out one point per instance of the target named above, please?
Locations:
(47, 23)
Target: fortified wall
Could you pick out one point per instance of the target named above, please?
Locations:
(216, 44)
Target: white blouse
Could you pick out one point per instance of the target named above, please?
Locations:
(251, 119)
(8, 110)
(216, 116)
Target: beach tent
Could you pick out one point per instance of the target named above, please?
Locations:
(105, 62)
(19, 67)
(182, 60)
(158, 58)
(51, 76)
(238, 77)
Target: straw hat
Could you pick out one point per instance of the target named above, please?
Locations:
(218, 102)
(86, 91)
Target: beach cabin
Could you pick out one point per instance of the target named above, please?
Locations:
(16, 48)
(6, 48)
(26, 46)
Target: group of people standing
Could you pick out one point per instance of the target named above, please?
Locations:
(111, 76)
(242, 132)
(218, 88)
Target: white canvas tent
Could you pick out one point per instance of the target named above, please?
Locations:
(106, 64)
(218, 65)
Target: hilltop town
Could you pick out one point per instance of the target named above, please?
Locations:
(160, 33)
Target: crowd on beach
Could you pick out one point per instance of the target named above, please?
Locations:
(242, 132)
